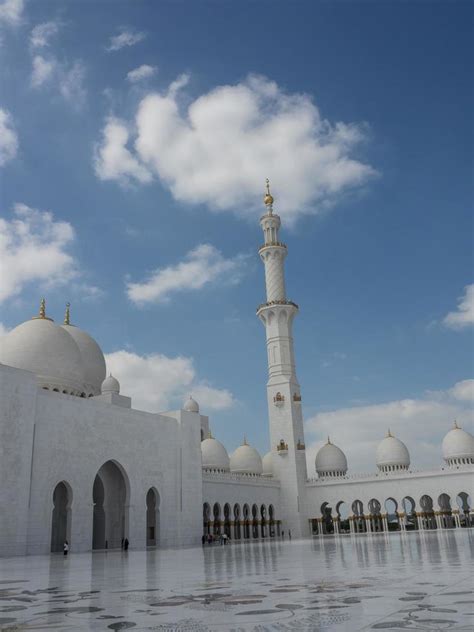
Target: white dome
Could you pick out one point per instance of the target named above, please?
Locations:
(246, 460)
(92, 358)
(191, 405)
(458, 446)
(267, 464)
(46, 349)
(330, 461)
(214, 455)
(392, 454)
(110, 385)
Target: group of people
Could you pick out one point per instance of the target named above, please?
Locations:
(221, 538)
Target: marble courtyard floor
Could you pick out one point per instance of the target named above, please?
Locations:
(396, 581)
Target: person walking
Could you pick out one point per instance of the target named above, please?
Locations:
(289, 534)
(65, 547)
(203, 539)
(125, 544)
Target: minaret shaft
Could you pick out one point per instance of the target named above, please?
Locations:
(283, 391)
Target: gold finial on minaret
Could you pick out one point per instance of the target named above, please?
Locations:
(67, 314)
(268, 198)
(42, 309)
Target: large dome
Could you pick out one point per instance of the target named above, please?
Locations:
(458, 446)
(267, 464)
(330, 461)
(246, 460)
(46, 349)
(93, 359)
(214, 455)
(392, 454)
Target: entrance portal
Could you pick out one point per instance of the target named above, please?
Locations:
(61, 518)
(152, 517)
(110, 497)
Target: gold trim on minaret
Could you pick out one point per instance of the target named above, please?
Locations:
(268, 198)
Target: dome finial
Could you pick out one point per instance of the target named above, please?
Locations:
(329, 440)
(389, 434)
(245, 440)
(42, 311)
(67, 314)
(268, 198)
(455, 425)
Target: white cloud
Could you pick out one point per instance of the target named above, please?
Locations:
(11, 12)
(463, 391)
(8, 138)
(420, 423)
(126, 37)
(219, 151)
(42, 71)
(157, 382)
(71, 84)
(113, 161)
(142, 72)
(202, 265)
(464, 316)
(41, 34)
(34, 248)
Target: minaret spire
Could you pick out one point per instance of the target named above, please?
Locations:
(67, 314)
(283, 391)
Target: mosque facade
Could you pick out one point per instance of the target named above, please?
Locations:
(79, 463)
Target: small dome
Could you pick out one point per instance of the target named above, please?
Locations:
(267, 464)
(92, 358)
(458, 446)
(214, 455)
(392, 454)
(46, 349)
(330, 461)
(246, 460)
(110, 385)
(191, 405)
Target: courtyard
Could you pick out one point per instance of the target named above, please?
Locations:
(397, 581)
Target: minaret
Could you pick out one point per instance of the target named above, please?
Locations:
(283, 391)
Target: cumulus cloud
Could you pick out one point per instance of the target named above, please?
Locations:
(219, 150)
(157, 382)
(142, 72)
(8, 138)
(42, 70)
(420, 423)
(71, 84)
(11, 12)
(203, 265)
(464, 315)
(41, 34)
(112, 159)
(463, 391)
(126, 37)
(34, 247)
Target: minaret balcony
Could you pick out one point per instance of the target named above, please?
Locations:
(282, 448)
(271, 303)
(279, 400)
(273, 244)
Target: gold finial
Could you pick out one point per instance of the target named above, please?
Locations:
(456, 427)
(67, 315)
(42, 311)
(268, 198)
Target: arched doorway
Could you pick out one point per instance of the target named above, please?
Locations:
(61, 517)
(358, 516)
(254, 521)
(263, 524)
(246, 521)
(110, 497)
(375, 516)
(393, 520)
(326, 518)
(217, 518)
(271, 521)
(206, 519)
(342, 511)
(237, 532)
(428, 515)
(227, 523)
(152, 517)
(463, 501)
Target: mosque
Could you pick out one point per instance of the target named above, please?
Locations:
(79, 463)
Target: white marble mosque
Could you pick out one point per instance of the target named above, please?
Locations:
(79, 463)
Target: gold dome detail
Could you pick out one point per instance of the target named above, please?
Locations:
(268, 198)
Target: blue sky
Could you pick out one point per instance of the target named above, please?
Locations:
(360, 113)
